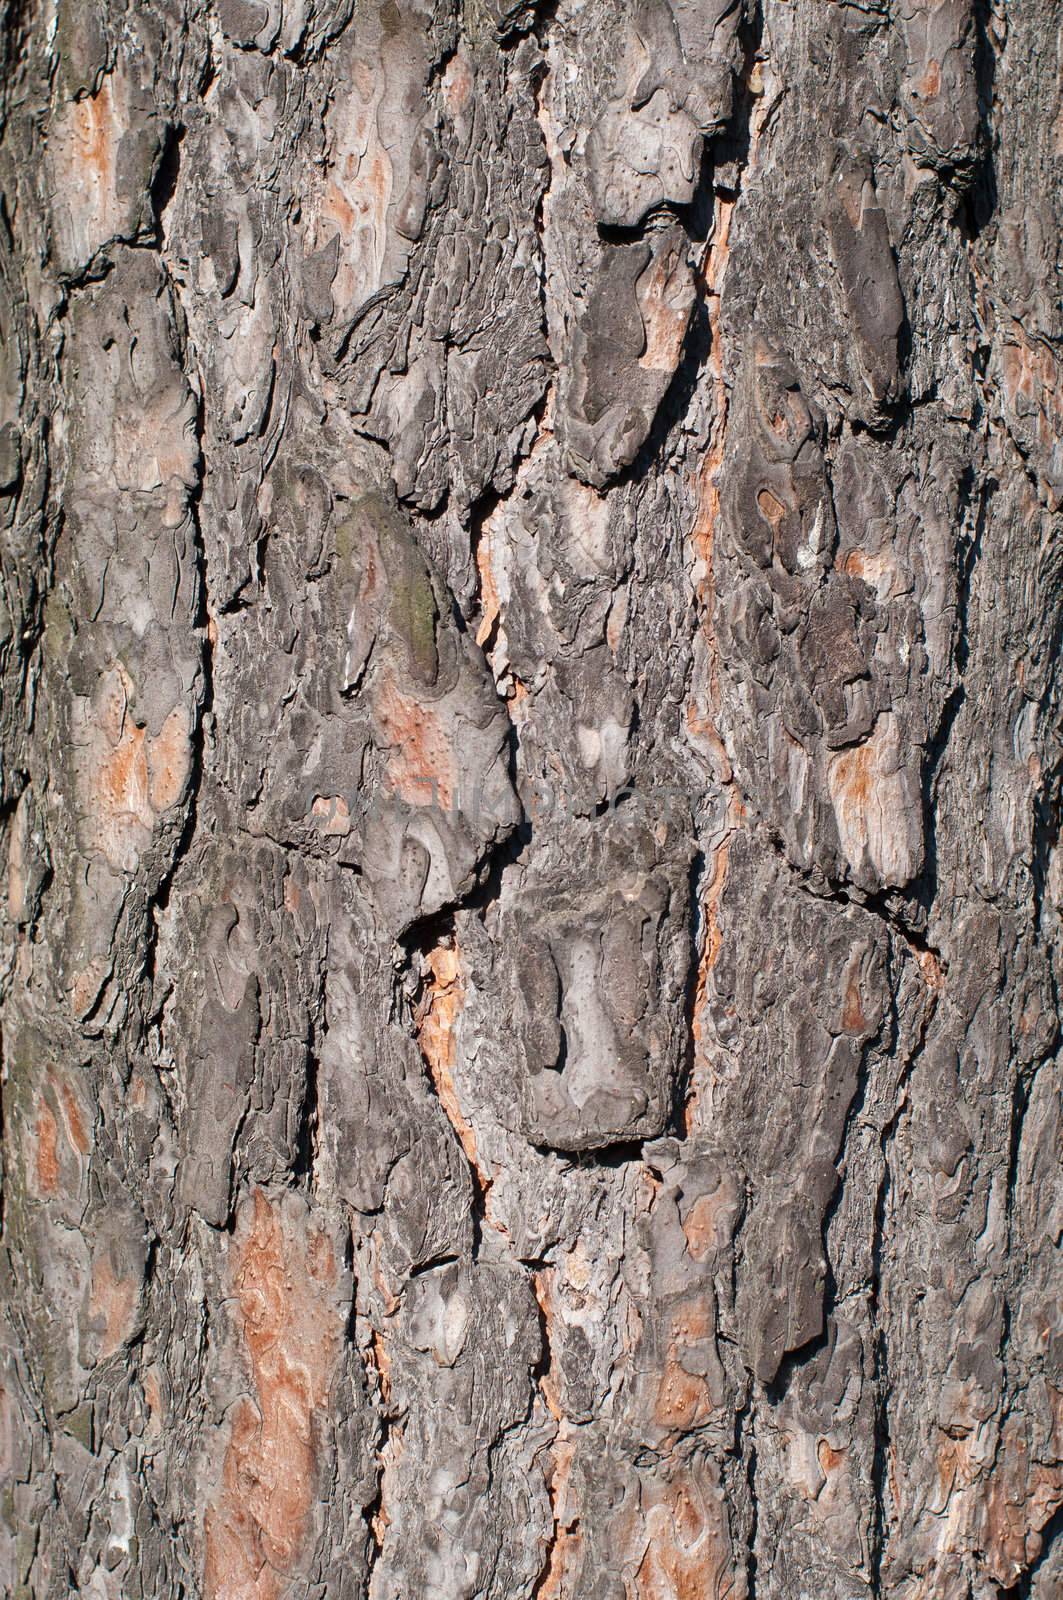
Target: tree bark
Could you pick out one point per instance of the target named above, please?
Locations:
(530, 632)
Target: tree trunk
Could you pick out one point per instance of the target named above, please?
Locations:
(531, 613)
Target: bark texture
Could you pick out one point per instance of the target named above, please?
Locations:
(532, 591)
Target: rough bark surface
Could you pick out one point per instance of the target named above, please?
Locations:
(532, 592)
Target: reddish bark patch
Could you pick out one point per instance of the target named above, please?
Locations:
(58, 1162)
(1023, 1496)
(665, 295)
(438, 1018)
(543, 1286)
(929, 83)
(122, 779)
(332, 815)
(770, 507)
(47, 1150)
(96, 134)
(853, 1018)
(490, 604)
(257, 1528)
(702, 714)
(854, 777)
(707, 1224)
(379, 1362)
(153, 1401)
(688, 1555)
(420, 758)
(1034, 394)
(127, 780)
(84, 137)
(683, 1399)
(878, 826)
(457, 84)
(112, 1306)
(561, 1572)
(75, 1125)
(169, 759)
(338, 209)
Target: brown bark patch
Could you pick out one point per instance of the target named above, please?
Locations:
(933, 974)
(338, 209)
(332, 814)
(379, 1362)
(543, 1287)
(457, 84)
(95, 136)
(1034, 395)
(58, 1161)
(153, 1401)
(169, 757)
(122, 781)
(699, 1227)
(703, 712)
(437, 1021)
(682, 1398)
(83, 142)
(879, 572)
(928, 84)
(770, 508)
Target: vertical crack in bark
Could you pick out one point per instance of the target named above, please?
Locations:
(205, 626)
(563, 1546)
(751, 1481)
(435, 1021)
(759, 99)
(436, 1018)
(389, 1448)
(484, 520)
(695, 1115)
(883, 1465)
(308, 1129)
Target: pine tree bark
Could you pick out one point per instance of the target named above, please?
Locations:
(530, 632)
